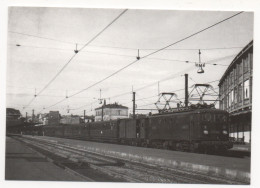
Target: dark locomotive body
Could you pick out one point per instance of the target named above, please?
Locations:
(191, 130)
(201, 129)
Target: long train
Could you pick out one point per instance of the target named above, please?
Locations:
(192, 130)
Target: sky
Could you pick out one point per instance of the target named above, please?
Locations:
(37, 60)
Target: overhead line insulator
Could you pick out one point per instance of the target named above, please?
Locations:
(138, 57)
(76, 51)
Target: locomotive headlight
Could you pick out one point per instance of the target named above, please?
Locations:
(206, 132)
(224, 132)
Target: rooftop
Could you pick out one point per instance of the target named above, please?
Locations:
(12, 112)
(243, 51)
(114, 105)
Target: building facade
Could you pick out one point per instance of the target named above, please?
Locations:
(71, 120)
(111, 112)
(235, 93)
(13, 117)
(54, 118)
(88, 119)
(43, 119)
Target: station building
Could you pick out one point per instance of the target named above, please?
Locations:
(111, 112)
(235, 94)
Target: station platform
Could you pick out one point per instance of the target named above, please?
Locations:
(231, 167)
(23, 163)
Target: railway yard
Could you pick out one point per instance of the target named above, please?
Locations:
(125, 95)
(76, 160)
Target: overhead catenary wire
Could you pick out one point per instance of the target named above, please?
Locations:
(202, 30)
(41, 37)
(122, 94)
(165, 79)
(103, 30)
(149, 104)
(178, 99)
(192, 35)
(141, 88)
(169, 77)
(173, 49)
(123, 48)
(33, 88)
(55, 96)
(200, 88)
(140, 98)
(174, 91)
(210, 62)
(138, 89)
(91, 40)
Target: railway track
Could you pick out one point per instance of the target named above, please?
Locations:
(95, 167)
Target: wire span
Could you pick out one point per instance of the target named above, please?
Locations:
(124, 48)
(75, 55)
(196, 33)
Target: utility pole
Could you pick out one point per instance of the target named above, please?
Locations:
(102, 112)
(33, 115)
(186, 91)
(100, 100)
(133, 105)
(26, 117)
(158, 88)
(84, 115)
(199, 56)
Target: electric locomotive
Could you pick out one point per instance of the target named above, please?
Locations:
(196, 130)
(191, 130)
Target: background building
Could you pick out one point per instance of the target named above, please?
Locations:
(43, 118)
(54, 118)
(111, 112)
(235, 90)
(71, 120)
(87, 119)
(13, 117)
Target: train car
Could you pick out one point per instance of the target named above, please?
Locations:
(202, 129)
(133, 131)
(54, 131)
(72, 131)
(31, 129)
(128, 131)
(85, 132)
(104, 131)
